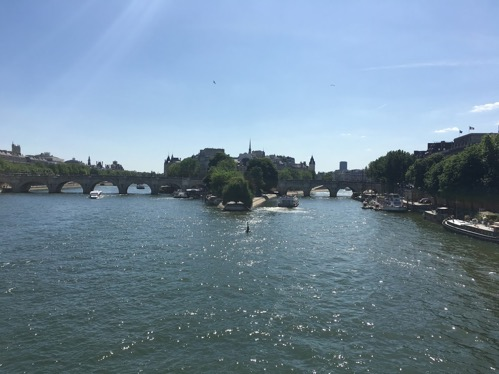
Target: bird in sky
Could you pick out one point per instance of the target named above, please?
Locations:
(214, 82)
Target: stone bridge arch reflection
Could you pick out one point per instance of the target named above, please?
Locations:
(307, 186)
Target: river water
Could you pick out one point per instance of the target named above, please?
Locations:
(141, 283)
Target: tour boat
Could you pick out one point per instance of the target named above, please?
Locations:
(474, 229)
(95, 194)
(288, 201)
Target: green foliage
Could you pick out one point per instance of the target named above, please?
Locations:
(221, 169)
(220, 157)
(296, 174)
(223, 179)
(328, 176)
(474, 171)
(269, 172)
(255, 179)
(237, 189)
(391, 168)
(219, 178)
(417, 171)
(431, 180)
(490, 154)
(187, 168)
(462, 173)
(41, 168)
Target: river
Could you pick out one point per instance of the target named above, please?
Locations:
(141, 283)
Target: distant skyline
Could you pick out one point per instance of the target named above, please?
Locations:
(136, 81)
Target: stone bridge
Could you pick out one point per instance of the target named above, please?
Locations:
(23, 182)
(333, 186)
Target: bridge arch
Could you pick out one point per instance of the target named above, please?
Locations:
(22, 182)
(332, 186)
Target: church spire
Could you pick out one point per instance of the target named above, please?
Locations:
(250, 147)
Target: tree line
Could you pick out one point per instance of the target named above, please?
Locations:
(44, 168)
(471, 172)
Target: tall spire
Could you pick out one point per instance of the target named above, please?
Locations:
(250, 147)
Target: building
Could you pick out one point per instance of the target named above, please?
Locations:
(14, 155)
(343, 166)
(168, 162)
(351, 175)
(204, 156)
(467, 140)
(457, 145)
(45, 157)
(311, 164)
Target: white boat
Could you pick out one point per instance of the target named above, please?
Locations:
(391, 202)
(180, 194)
(474, 229)
(213, 200)
(95, 194)
(233, 206)
(288, 201)
(436, 215)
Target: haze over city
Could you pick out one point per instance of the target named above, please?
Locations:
(137, 81)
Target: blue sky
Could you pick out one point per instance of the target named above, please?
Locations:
(133, 80)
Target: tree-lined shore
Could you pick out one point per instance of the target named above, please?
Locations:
(468, 178)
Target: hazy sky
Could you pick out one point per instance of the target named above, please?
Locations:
(342, 80)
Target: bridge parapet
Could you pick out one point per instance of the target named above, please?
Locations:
(54, 183)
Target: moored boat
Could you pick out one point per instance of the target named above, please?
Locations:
(95, 194)
(213, 200)
(233, 206)
(436, 215)
(474, 229)
(391, 202)
(180, 194)
(288, 201)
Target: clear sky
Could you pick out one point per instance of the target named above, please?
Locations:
(346, 80)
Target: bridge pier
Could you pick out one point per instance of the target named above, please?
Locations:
(122, 188)
(54, 188)
(20, 188)
(155, 187)
(87, 188)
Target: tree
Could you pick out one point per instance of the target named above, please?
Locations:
(431, 180)
(236, 190)
(490, 152)
(187, 168)
(219, 178)
(391, 168)
(463, 173)
(255, 179)
(218, 158)
(294, 173)
(417, 171)
(222, 169)
(270, 175)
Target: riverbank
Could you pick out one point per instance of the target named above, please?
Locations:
(258, 201)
